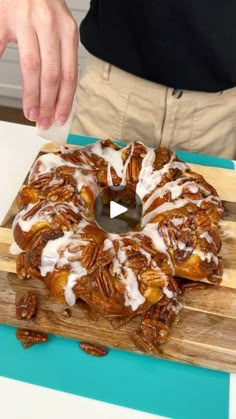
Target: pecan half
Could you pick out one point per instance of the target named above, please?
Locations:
(65, 170)
(134, 169)
(153, 277)
(137, 262)
(143, 344)
(26, 306)
(21, 267)
(105, 284)
(93, 349)
(61, 193)
(29, 338)
(41, 181)
(66, 211)
(66, 313)
(89, 255)
(105, 257)
(33, 210)
(155, 331)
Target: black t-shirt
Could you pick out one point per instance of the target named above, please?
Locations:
(185, 44)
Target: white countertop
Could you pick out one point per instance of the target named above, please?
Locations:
(19, 145)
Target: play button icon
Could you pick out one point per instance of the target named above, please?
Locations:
(118, 209)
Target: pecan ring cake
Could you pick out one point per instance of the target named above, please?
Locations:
(119, 276)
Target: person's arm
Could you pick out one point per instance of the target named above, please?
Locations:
(47, 38)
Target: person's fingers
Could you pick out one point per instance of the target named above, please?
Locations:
(50, 74)
(69, 70)
(30, 70)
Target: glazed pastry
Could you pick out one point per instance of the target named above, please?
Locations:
(117, 275)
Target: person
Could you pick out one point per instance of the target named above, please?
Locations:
(47, 38)
(160, 72)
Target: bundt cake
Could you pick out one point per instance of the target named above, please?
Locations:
(118, 275)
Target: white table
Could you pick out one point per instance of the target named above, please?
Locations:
(19, 145)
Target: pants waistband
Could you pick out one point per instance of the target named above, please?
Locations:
(123, 79)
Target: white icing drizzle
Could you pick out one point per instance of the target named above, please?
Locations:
(50, 255)
(167, 206)
(85, 180)
(151, 231)
(56, 254)
(71, 282)
(206, 236)
(133, 296)
(208, 256)
(193, 188)
(107, 245)
(150, 178)
(113, 157)
(114, 160)
(146, 254)
(168, 292)
(45, 164)
(175, 188)
(178, 221)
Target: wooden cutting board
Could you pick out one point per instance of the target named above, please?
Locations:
(205, 333)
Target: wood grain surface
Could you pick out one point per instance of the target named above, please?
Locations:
(205, 333)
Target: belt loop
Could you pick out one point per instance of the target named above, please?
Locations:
(106, 71)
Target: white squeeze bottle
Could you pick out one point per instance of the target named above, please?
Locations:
(57, 133)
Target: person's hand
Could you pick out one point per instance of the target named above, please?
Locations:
(47, 38)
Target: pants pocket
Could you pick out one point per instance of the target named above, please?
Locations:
(181, 136)
(139, 123)
(213, 129)
(99, 109)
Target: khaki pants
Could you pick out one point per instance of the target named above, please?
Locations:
(112, 103)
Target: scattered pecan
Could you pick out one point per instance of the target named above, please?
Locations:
(93, 349)
(29, 337)
(143, 344)
(66, 313)
(120, 321)
(26, 306)
(155, 331)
